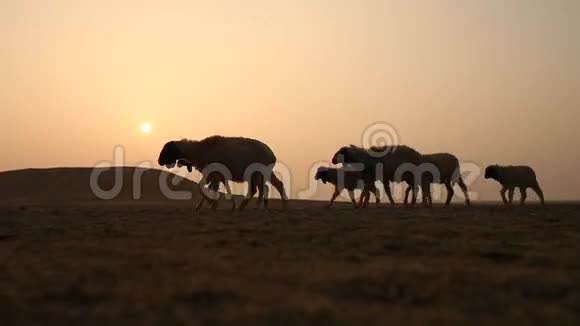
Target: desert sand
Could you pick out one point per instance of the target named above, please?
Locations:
(68, 258)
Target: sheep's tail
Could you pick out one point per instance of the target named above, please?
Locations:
(536, 187)
(266, 195)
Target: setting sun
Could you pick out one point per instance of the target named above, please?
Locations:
(145, 128)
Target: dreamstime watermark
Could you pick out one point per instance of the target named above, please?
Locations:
(381, 136)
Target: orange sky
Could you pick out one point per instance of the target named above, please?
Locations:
(491, 81)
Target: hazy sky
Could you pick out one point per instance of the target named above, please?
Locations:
(491, 81)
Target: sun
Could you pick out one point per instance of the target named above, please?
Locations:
(146, 127)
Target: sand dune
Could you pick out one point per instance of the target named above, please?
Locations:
(73, 185)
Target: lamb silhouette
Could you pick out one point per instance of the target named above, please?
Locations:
(511, 177)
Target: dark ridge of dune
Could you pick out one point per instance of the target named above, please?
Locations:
(74, 185)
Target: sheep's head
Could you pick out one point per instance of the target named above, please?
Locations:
(491, 172)
(169, 155)
(321, 174)
(342, 155)
(349, 155)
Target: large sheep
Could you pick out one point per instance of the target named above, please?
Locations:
(350, 180)
(441, 168)
(386, 164)
(237, 159)
(511, 177)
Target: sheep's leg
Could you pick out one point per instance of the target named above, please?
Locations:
(450, 193)
(368, 196)
(407, 191)
(228, 189)
(214, 204)
(414, 195)
(215, 188)
(229, 194)
(258, 183)
(335, 194)
(260, 191)
(263, 191)
(387, 186)
(367, 193)
(280, 188)
(352, 198)
(539, 192)
(426, 193)
(266, 195)
(502, 193)
(511, 195)
(430, 195)
(463, 187)
(202, 184)
(250, 195)
(363, 198)
(199, 205)
(524, 193)
(375, 192)
(414, 190)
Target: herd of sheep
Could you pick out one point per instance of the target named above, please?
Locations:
(222, 159)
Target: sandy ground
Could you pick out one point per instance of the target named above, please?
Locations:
(133, 264)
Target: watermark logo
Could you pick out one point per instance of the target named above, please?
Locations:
(382, 136)
(101, 167)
